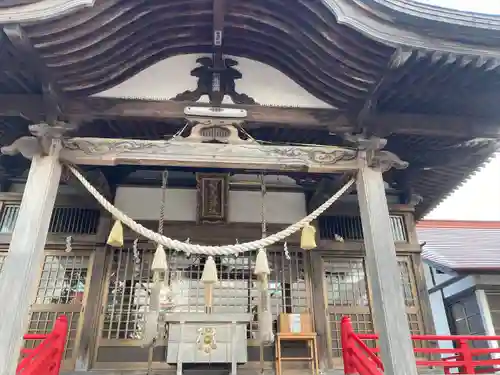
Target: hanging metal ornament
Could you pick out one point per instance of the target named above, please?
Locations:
(187, 254)
(69, 244)
(287, 253)
(136, 257)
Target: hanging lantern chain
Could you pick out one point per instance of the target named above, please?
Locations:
(263, 191)
(164, 178)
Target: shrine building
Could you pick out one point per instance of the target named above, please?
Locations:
(221, 123)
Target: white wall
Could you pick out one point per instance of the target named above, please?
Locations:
(143, 203)
(167, 78)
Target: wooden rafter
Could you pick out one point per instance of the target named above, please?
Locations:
(52, 95)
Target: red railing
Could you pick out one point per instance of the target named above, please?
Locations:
(363, 360)
(45, 358)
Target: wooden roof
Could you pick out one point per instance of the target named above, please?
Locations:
(426, 78)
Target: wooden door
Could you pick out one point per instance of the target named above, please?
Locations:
(62, 290)
(346, 294)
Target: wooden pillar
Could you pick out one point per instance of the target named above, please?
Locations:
(22, 267)
(320, 310)
(388, 302)
(93, 302)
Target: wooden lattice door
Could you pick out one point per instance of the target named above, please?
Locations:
(61, 290)
(346, 295)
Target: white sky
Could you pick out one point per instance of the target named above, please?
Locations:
(480, 6)
(479, 198)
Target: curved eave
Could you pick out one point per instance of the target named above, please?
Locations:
(392, 22)
(100, 47)
(38, 11)
(414, 11)
(405, 23)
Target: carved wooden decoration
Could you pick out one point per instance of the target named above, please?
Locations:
(215, 82)
(213, 191)
(108, 151)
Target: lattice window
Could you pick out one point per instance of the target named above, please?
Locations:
(60, 291)
(351, 229)
(64, 219)
(347, 295)
(131, 279)
(407, 283)
(346, 283)
(63, 280)
(8, 218)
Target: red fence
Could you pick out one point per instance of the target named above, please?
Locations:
(46, 358)
(359, 358)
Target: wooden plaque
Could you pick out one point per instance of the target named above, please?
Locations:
(212, 197)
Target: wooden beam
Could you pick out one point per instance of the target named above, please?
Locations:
(52, 94)
(335, 120)
(434, 125)
(106, 151)
(84, 109)
(94, 107)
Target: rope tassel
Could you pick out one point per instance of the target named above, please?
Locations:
(308, 237)
(209, 278)
(115, 238)
(262, 264)
(159, 260)
(209, 275)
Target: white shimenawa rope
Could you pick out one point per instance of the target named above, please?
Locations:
(207, 250)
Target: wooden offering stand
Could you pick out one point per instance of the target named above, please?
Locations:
(297, 327)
